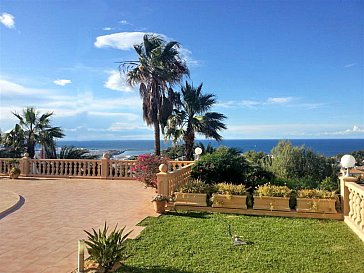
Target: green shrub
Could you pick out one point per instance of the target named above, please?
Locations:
(230, 189)
(313, 193)
(273, 191)
(106, 249)
(329, 184)
(194, 186)
(223, 165)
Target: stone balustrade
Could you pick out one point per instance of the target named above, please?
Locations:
(353, 204)
(7, 163)
(82, 168)
(169, 181)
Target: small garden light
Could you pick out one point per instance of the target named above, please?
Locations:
(198, 152)
(347, 161)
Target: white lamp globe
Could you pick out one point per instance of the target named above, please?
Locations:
(347, 161)
(198, 151)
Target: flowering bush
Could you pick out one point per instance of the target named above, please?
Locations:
(161, 198)
(146, 169)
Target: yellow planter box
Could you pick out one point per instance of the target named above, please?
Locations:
(316, 205)
(271, 203)
(191, 199)
(229, 201)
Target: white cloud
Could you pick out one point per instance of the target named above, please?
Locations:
(107, 28)
(117, 81)
(121, 40)
(349, 65)
(124, 22)
(356, 130)
(279, 100)
(62, 82)
(258, 104)
(121, 126)
(10, 88)
(7, 20)
(127, 40)
(126, 116)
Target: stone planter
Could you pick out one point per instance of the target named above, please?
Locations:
(271, 203)
(316, 205)
(191, 199)
(229, 201)
(159, 206)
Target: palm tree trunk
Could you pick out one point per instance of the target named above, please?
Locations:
(189, 142)
(157, 143)
(31, 148)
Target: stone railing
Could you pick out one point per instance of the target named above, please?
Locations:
(80, 168)
(353, 204)
(7, 163)
(168, 181)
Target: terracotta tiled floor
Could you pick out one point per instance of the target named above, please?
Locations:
(41, 236)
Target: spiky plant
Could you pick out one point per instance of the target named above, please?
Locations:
(106, 249)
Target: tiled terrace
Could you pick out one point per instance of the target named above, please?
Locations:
(41, 235)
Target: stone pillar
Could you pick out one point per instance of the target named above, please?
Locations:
(24, 165)
(344, 193)
(105, 165)
(162, 180)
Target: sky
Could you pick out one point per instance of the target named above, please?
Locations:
(279, 69)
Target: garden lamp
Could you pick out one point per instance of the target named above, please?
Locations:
(198, 151)
(347, 161)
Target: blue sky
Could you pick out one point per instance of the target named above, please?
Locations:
(279, 69)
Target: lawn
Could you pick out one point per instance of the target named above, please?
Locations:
(198, 242)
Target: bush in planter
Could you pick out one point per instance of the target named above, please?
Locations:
(106, 249)
(273, 191)
(224, 164)
(194, 193)
(314, 193)
(195, 186)
(272, 197)
(230, 189)
(146, 169)
(230, 196)
(313, 200)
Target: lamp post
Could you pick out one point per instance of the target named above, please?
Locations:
(198, 151)
(81, 256)
(347, 161)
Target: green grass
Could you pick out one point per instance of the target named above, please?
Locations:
(198, 242)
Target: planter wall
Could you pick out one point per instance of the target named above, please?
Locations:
(316, 205)
(229, 201)
(271, 203)
(191, 199)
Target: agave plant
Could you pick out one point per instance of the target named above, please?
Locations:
(106, 249)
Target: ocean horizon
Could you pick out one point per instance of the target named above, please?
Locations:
(326, 147)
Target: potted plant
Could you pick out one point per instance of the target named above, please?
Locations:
(14, 172)
(230, 196)
(160, 202)
(193, 193)
(314, 200)
(272, 197)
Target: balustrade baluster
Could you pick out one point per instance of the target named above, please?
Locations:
(351, 203)
(357, 208)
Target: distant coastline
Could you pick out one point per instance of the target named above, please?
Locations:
(126, 148)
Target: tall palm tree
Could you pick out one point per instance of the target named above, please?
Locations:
(158, 68)
(35, 128)
(192, 117)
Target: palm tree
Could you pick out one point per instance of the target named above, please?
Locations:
(158, 68)
(192, 117)
(34, 128)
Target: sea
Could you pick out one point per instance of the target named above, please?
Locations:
(128, 148)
